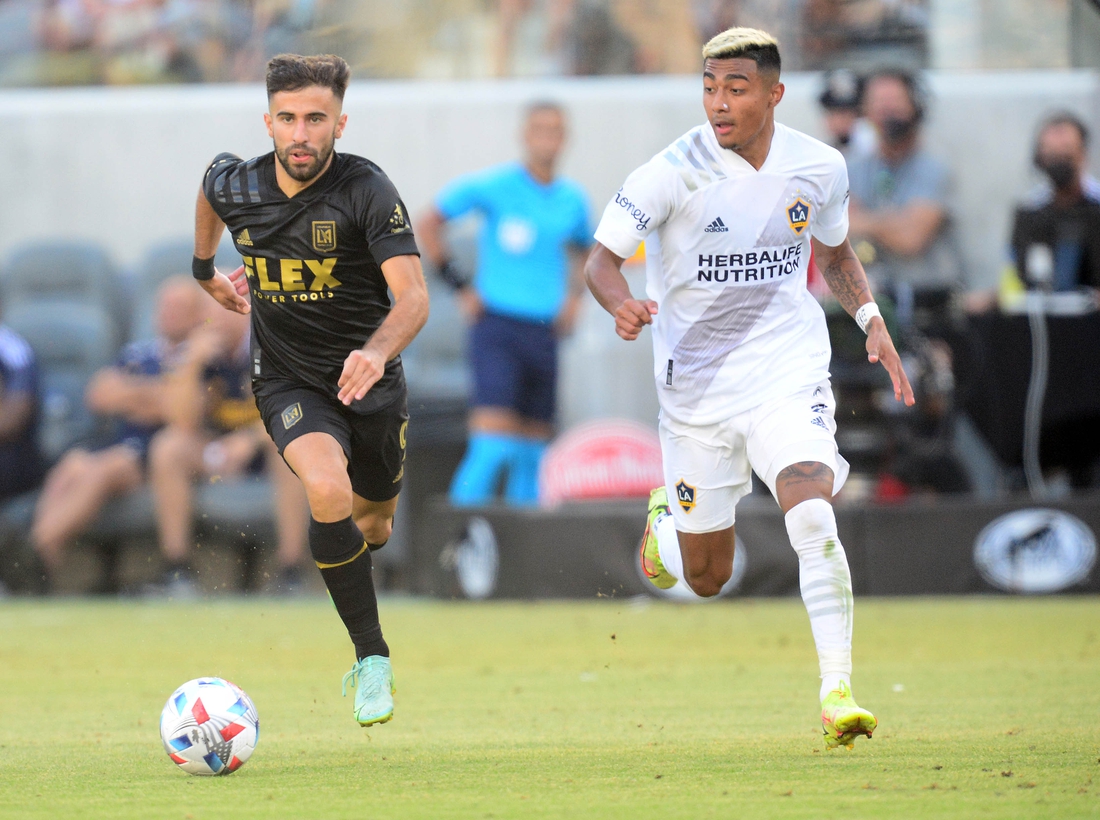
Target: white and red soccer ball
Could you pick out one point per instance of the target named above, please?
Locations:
(209, 726)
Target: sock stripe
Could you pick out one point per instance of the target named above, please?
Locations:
(838, 609)
(364, 548)
(817, 599)
(831, 583)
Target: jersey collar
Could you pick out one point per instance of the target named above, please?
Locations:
(735, 161)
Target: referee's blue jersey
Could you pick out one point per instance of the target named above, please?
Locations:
(523, 264)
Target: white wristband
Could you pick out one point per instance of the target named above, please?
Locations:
(866, 312)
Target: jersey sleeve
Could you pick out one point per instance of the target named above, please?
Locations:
(640, 206)
(463, 195)
(581, 233)
(216, 182)
(831, 225)
(386, 222)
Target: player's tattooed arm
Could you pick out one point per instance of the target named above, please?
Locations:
(843, 274)
(846, 279)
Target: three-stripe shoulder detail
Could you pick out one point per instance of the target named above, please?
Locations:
(694, 161)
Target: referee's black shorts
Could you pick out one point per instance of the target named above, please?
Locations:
(373, 444)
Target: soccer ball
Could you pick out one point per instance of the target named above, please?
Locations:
(209, 726)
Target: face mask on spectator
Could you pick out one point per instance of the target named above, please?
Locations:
(895, 129)
(1061, 171)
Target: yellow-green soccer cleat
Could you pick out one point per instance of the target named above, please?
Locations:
(651, 559)
(842, 720)
(372, 678)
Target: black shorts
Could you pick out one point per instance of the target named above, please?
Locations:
(373, 444)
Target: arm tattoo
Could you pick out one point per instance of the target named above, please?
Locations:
(845, 277)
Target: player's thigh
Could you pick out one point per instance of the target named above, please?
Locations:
(377, 461)
(706, 473)
(538, 399)
(495, 365)
(795, 430)
(310, 431)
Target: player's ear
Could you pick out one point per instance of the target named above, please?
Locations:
(267, 122)
(340, 123)
(776, 94)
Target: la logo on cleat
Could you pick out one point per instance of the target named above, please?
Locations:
(685, 494)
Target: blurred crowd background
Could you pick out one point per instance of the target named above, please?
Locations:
(955, 179)
(89, 42)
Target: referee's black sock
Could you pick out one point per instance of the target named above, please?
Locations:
(344, 560)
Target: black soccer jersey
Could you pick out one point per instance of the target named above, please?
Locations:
(313, 264)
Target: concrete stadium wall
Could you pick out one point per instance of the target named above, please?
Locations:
(122, 166)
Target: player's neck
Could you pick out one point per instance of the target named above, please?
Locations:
(755, 151)
(291, 186)
(542, 172)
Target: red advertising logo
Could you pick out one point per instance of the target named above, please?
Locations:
(604, 459)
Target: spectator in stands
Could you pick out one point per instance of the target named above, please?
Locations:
(20, 461)
(1062, 213)
(526, 293)
(840, 100)
(899, 211)
(131, 393)
(214, 431)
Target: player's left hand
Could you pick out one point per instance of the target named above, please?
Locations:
(362, 370)
(226, 290)
(880, 348)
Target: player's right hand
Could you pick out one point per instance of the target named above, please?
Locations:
(227, 290)
(633, 315)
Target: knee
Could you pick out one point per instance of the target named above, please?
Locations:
(710, 583)
(171, 449)
(811, 521)
(376, 528)
(327, 490)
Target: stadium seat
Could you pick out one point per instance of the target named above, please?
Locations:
(67, 272)
(161, 261)
(71, 341)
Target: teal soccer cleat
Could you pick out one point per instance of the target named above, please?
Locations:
(372, 678)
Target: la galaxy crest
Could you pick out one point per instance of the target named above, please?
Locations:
(798, 216)
(324, 236)
(685, 495)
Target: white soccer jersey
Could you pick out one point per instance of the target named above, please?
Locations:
(727, 249)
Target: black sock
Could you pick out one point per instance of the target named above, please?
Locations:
(344, 560)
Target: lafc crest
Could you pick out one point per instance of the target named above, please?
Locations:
(324, 236)
(798, 215)
(292, 415)
(685, 495)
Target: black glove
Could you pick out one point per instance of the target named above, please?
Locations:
(450, 274)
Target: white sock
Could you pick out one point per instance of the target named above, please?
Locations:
(668, 547)
(826, 586)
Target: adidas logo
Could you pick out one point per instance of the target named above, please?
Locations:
(717, 226)
(244, 239)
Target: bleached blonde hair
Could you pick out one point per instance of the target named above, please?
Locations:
(751, 43)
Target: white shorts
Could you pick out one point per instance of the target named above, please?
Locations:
(708, 468)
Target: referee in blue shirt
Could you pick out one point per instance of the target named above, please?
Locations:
(534, 235)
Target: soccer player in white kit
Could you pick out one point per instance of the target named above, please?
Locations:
(729, 213)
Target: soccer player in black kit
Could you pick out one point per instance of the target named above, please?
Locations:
(323, 236)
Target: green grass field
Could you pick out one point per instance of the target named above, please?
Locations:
(988, 707)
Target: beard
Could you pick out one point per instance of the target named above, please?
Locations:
(304, 173)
